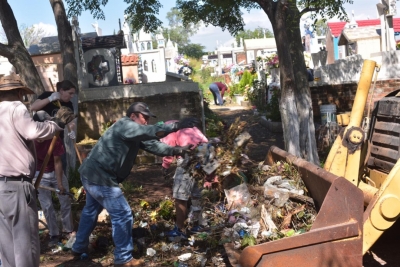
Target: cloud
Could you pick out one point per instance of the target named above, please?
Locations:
(256, 18)
(210, 35)
(48, 29)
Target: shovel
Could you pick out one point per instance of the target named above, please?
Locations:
(57, 191)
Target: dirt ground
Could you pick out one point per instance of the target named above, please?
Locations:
(383, 253)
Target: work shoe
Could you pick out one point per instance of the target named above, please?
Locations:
(54, 240)
(133, 262)
(175, 235)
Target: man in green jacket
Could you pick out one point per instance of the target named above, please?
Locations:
(108, 164)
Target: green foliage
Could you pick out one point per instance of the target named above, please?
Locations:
(105, 126)
(234, 89)
(272, 108)
(253, 34)
(246, 80)
(130, 188)
(192, 50)
(166, 209)
(205, 74)
(248, 240)
(257, 96)
(226, 14)
(176, 31)
(320, 27)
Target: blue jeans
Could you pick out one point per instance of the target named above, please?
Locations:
(113, 200)
(216, 93)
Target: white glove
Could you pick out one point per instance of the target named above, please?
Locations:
(54, 96)
(72, 135)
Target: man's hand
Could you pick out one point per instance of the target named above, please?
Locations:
(187, 123)
(181, 150)
(64, 116)
(62, 190)
(165, 173)
(54, 96)
(72, 135)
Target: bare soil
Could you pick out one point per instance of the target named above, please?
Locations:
(154, 187)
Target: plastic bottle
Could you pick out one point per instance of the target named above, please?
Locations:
(70, 241)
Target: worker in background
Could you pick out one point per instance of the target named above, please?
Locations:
(19, 231)
(53, 177)
(48, 101)
(185, 186)
(218, 89)
(108, 164)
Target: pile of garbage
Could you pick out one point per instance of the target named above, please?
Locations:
(244, 202)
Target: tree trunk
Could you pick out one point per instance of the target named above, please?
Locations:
(69, 66)
(308, 145)
(16, 52)
(66, 42)
(295, 103)
(287, 105)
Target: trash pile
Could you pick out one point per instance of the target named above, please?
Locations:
(248, 203)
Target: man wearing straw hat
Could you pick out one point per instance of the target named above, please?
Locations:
(19, 242)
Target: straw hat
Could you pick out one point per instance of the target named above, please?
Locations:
(11, 82)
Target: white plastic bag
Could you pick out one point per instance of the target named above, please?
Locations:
(237, 197)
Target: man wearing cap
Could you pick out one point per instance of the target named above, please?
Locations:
(108, 164)
(19, 238)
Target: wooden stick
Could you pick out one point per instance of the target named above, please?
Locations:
(69, 129)
(46, 159)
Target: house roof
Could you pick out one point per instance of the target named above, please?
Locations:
(360, 33)
(50, 45)
(129, 60)
(337, 27)
(262, 43)
(106, 41)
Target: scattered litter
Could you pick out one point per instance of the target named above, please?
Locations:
(185, 257)
(151, 252)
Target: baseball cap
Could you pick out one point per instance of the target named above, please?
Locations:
(12, 82)
(139, 107)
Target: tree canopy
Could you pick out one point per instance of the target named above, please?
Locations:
(176, 31)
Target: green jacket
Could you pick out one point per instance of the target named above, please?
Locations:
(113, 156)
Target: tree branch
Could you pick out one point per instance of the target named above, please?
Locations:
(6, 51)
(309, 9)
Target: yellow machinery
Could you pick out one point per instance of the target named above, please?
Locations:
(356, 193)
(349, 158)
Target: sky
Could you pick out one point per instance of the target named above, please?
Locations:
(39, 12)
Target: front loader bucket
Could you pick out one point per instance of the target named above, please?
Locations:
(335, 238)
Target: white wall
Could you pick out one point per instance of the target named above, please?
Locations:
(5, 66)
(158, 56)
